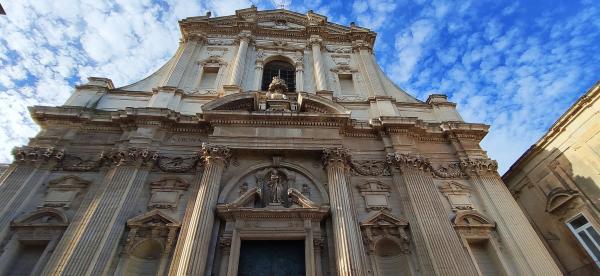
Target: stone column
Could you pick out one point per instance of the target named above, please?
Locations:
(516, 233)
(299, 78)
(258, 72)
(347, 241)
(193, 245)
(240, 59)
(431, 222)
(315, 42)
(93, 236)
(22, 179)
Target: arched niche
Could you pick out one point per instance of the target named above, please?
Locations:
(281, 67)
(296, 177)
(144, 258)
(390, 258)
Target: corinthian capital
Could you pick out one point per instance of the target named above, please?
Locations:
(245, 35)
(403, 160)
(210, 153)
(130, 157)
(480, 165)
(339, 155)
(315, 39)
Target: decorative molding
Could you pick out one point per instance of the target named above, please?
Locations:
(178, 164)
(37, 154)
(370, 168)
(165, 193)
(416, 161)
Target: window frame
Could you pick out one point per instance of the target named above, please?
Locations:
(584, 228)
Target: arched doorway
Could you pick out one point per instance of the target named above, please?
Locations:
(282, 69)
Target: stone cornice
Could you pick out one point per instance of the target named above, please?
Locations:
(591, 97)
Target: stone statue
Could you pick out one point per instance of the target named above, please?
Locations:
(275, 186)
(277, 88)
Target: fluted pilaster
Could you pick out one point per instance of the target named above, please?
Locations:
(320, 78)
(185, 57)
(529, 254)
(348, 249)
(94, 234)
(435, 232)
(240, 58)
(193, 245)
(22, 179)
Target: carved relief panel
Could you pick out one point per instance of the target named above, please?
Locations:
(165, 193)
(376, 195)
(63, 192)
(458, 195)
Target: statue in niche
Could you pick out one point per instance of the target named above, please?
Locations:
(275, 186)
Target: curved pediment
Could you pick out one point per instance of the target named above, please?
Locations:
(471, 218)
(258, 102)
(42, 217)
(559, 198)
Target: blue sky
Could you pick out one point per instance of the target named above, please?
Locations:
(516, 65)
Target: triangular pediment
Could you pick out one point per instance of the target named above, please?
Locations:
(151, 219)
(381, 218)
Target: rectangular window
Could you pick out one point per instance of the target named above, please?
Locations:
(486, 257)
(209, 77)
(27, 257)
(587, 236)
(346, 84)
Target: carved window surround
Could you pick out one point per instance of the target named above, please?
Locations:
(470, 224)
(154, 225)
(560, 201)
(44, 225)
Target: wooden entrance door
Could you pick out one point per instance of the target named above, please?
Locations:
(272, 258)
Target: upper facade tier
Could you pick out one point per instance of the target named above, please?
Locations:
(242, 53)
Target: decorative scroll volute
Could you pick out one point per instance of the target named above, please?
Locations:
(478, 166)
(339, 156)
(210, 153)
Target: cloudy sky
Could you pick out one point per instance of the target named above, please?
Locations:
(516, 65)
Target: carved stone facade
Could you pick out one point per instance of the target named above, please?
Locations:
(183, 172)
(557, 183)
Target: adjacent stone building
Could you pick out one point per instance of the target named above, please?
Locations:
(270, 144)
(557, 183)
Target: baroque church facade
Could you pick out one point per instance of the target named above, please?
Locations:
(271, 143)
